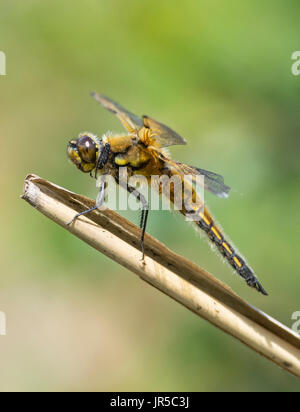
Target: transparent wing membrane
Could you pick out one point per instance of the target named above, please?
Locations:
(213, 182)
(162, 134)
(130, 121)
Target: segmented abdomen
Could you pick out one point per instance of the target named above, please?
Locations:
(207, 224)
(191, 206)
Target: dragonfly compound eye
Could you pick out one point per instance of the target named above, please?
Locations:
(83, 153)
(87, 149)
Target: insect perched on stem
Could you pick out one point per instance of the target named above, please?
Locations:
(142, 152)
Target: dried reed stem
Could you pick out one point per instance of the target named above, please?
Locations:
(172, 274)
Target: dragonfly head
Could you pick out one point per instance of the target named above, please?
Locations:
(84, 152)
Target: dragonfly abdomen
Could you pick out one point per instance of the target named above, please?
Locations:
(207, 224)
(191, 205)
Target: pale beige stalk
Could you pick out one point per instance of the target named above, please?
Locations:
(172, 274)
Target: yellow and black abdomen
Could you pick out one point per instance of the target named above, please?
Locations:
(193, 208)
(206, 223)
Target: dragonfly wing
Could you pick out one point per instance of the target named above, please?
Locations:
(162, 134)
(130, 121)
(212, 182)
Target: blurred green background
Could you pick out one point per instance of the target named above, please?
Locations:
(219, 73)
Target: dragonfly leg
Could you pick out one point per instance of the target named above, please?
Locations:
(143, 225)
(145, 213)
(100, 201)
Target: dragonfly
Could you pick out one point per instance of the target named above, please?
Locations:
(142, 150)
